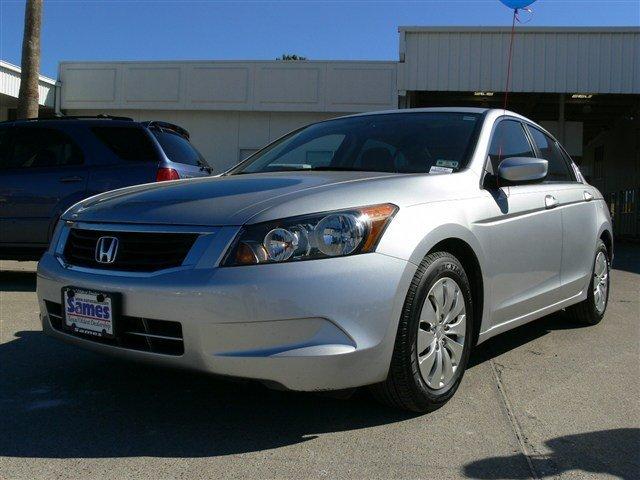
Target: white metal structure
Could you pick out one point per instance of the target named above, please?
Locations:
(550, 59)
(10, 86)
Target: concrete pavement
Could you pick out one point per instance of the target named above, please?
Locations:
(548, 400)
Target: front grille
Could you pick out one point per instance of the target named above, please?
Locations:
(136, 252)
(135, 333)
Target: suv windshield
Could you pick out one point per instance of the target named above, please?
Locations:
(178, 149)
(399, 142)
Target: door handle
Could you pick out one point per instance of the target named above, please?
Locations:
(587, 196)
(550, 201)
(71, 179)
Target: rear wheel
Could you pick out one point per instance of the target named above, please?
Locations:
(434, 337)
(592, 310)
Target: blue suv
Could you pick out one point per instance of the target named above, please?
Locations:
(47, 165)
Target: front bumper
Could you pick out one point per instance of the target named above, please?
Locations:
(317, 325)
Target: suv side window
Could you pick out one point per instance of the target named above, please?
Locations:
(549, 150)
(131, 144)
(509, 140)
(37, 147)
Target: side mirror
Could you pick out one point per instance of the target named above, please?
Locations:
(523, 169)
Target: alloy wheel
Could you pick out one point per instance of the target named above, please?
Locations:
(600, 282)
(441, 333)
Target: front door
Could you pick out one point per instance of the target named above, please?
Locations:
(521, 233)
(39, 168)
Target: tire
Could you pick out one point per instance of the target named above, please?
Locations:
(592, 310)
(414, 381)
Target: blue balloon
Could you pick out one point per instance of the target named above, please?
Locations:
(517, 4)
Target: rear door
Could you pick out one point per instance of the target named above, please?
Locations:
(521, 235)
(575, 202)
(180, 154)
(123, 154)
(42, 167)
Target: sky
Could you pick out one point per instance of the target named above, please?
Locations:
(264, 30)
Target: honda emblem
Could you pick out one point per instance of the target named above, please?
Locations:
(106, 249)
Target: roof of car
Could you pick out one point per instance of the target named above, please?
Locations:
(495, 112)
(423, 110)
(101, 120)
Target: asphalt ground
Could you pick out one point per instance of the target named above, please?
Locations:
(547, 400)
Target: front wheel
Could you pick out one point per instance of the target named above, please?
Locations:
(591, 310)
(434, 337)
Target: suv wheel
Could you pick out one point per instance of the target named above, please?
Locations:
(434, 337)
(591, 310)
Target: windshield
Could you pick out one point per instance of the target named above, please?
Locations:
(428, 142)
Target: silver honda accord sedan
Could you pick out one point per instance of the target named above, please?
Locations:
(373, 249)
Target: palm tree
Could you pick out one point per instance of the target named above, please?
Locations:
(28, 95)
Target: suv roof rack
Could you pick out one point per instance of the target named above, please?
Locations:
(100, 116)
(166, 126)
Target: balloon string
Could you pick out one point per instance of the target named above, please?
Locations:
(506, 90)
(511, 41)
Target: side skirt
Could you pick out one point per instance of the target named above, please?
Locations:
(529, 317)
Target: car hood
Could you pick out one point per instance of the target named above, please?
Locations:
(213, 201)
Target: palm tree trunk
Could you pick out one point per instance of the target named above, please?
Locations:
(28, 95)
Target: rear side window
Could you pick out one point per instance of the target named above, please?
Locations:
(509, 140)
(549, 150)
(128, 143)
(36, 147)
(178, 149)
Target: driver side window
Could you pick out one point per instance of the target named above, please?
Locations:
(509, 140)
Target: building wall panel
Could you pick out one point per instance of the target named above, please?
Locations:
(152, 85)
(288, 85)
(218, 85)
(90, 85)
(355, 87)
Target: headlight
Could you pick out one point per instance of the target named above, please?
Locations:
(310, 237)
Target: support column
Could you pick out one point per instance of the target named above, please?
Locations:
(561, 126)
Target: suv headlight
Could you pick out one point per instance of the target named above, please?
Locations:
(310, 237)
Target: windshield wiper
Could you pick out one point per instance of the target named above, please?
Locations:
(314, 169)
(204, 167)
(340, 169)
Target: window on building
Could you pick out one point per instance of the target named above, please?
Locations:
(550, 151)
(509, 140)
(36, 147)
